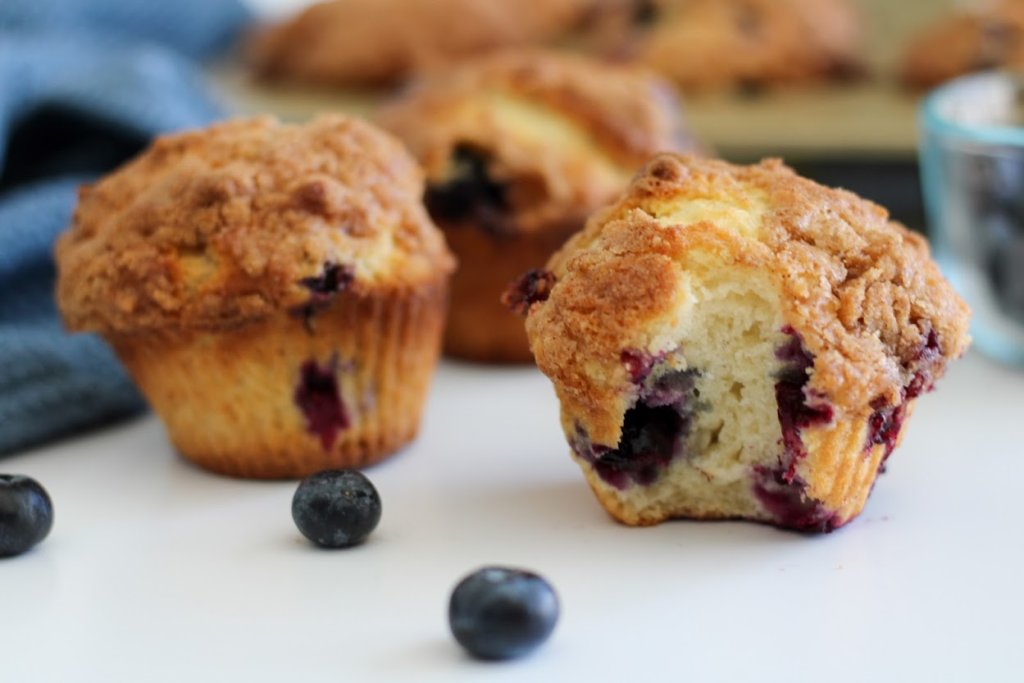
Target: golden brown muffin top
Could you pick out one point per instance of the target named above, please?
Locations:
(964, 42)
(216, 227)
(564, 133)
(724, 43)
(861, 291)
(375, 42)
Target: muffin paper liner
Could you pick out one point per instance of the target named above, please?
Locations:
(291, 395)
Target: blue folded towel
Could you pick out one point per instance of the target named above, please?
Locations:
(195, 28)
(83, 86)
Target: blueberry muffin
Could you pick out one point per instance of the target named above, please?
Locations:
(739, 342)
(724, 44)
(381, 42)
(276, 291)
(519, 149)
(987, 38)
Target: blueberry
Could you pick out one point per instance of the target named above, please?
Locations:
(336, 508)
(532, 287)
(500, 613)
(791, 398)
(654, 429)
(470, 195)
(332, 280)
(26, 514)
(318, 396)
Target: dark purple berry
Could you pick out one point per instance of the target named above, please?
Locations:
(886, 422)
(532, 287)
(638, 364)
(501, 613)
(331, 281)
(26, 514)
(336, 508)
(470, 195)
(654, 429)
(318, 396)
(796, 409)
(787, 500)
(651, 438)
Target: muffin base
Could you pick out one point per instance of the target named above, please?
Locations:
(479, 327)
(288, 396)
(840, 473)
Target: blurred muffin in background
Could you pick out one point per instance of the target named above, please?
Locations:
(519, 149)
(382, 42)
(990, 36)
(721, 44)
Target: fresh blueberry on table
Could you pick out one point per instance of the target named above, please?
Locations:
(336, 508)
(501, 613)
(26, 514)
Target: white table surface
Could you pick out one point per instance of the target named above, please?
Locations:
(157, 571)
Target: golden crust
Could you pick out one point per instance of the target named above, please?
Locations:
(964, 42)
(566, 132)
(861, 291)
(373, 42)
(214, 228)
(724, 43)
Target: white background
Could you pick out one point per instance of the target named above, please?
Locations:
(157, 571)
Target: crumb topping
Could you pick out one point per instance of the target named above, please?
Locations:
(565, 134)
(216, 227)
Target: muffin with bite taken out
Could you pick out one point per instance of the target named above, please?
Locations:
(739, 342)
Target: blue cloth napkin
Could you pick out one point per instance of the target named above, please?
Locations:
(194, 28)
(84, 85)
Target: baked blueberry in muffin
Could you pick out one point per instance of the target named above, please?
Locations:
(277, 291)
(739, 342)
(382, 42)
(519, 149)
(987, 37)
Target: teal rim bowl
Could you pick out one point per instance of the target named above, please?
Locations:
(969, 126)
(939, 117)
